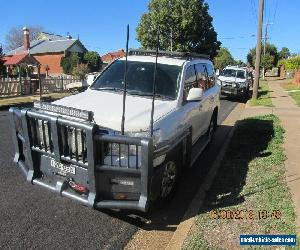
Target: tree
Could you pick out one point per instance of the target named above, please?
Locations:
(80, 70)
(93, 60)
(185, 25)
(69, 62)
(270, 59)
(223, 59)
(14, 38)
(284, 53)
(267, 61)
(240, 63)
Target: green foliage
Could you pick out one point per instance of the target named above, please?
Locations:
(267, 61)
(186, 22)
(69, 62)
(93, 60)
(240, 63)
(223, 59)
(80, 70)
(292, 64)
(271, 52)
(280, 62)
(284, 53)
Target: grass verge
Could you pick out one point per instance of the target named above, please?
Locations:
(264, 98)
(296, 97)
(249, 194)
(289, 86)
(28, 99)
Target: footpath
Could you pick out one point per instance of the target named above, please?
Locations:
(289, 114)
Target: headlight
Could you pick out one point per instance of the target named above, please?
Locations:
(123, 149)
(241, 84)
(156, 135)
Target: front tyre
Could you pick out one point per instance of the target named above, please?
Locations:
(164, 181)
(212, 127)
(169, 180)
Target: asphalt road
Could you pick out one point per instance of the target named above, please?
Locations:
(32, 217)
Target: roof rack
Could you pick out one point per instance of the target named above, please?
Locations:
(141, 52)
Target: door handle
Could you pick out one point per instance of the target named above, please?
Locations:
(200, 106)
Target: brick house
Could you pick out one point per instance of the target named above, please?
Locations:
(48, 49)
(111, 56)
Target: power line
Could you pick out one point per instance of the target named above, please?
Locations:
(275, 11)
(253, 11)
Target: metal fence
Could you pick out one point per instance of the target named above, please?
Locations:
(10, 87)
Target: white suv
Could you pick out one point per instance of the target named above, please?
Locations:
(235, 81)
(77, 143)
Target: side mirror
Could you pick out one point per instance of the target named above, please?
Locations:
(217, 72)
(195, 94)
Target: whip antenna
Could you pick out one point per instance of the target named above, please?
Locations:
(154, 83)
(125, 83)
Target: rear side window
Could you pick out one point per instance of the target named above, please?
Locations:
(202, 81)
(211, 75)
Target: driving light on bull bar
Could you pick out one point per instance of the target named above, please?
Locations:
(75, 135)
(123, 149)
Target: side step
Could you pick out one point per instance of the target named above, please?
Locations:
(198, 148)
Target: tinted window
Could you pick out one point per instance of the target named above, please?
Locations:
(140, 78)
(211, 75)
(240, 74)
(201, 76)
(190, 80)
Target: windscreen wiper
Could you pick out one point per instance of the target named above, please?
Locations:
(141, 93)
(108, 88)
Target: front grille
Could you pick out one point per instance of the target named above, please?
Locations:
(41, 136)
(73, 144)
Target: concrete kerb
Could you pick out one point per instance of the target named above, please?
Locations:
(189, 218)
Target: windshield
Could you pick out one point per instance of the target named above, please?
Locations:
(140, 79)
(233, 73)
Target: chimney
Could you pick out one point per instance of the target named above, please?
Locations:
(26, 39)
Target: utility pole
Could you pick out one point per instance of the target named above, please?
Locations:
(265, 43)
(258, 49)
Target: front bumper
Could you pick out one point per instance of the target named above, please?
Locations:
(233, 91)
(48, 156)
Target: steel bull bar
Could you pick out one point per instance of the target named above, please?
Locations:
(50, 150)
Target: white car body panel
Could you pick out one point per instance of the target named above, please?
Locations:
(107, 107)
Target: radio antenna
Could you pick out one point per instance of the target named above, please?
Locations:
(154, 82)
(125, 83)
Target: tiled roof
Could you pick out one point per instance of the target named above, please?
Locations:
(15, 59)
(109, 57)
(45, 46)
